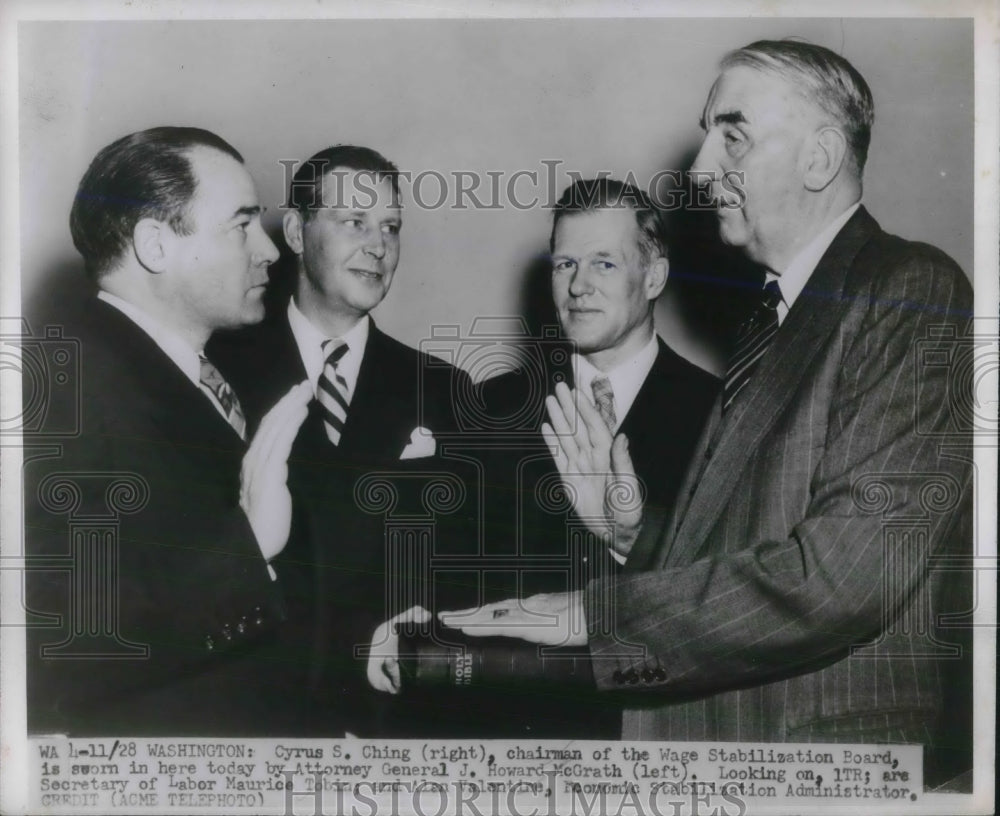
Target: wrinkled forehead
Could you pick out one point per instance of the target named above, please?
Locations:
(599, 230)
(755, 96)
(354, 189)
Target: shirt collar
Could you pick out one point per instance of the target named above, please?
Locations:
(310, 340)
(171, 343)
(793, 280)
(626, 378)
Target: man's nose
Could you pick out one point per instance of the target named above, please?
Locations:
(579, 282)
(706, 164)
(705, 172)
(265, 252)
(375, 245)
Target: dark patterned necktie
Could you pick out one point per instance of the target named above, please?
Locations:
(604, 401)
(752, 341)
(213, 380)
(331, 391)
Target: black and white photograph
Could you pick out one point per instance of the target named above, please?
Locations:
(498, 407)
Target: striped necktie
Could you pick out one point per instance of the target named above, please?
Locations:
(213, 380)
(752, 341)
(604, 401)
(331, 391)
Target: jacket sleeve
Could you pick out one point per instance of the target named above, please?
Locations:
(141, 561)
(756, 609)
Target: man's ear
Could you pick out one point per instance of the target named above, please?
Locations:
(291, 226)
(150, 242)
(825, 158)
(656, 277)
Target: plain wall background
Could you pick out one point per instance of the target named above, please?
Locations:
(619, 95)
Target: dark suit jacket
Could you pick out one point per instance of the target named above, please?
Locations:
(176, 618)
(808, 520)
(553, 551)
(662, 426)
(347, 566)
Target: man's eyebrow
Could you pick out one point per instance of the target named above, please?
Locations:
(251, 211)
(726, 118)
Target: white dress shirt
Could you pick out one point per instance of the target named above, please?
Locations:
(626, 378)
(793, 279)
(310, 340)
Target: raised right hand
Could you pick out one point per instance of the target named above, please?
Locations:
(596, 470)
(264, 494)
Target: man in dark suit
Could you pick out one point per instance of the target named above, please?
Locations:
(379, 406)
(148, 546)
(609, 266)
(790, 595)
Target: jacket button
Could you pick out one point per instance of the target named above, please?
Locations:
(227, 632)
(258, 615)
(209, 643)
(659, 675)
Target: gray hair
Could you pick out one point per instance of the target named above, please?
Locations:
(823, 77)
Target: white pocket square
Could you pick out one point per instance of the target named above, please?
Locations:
(421, 444)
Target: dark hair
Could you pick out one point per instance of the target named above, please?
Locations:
(822, 76)
(587, 195)
(306, 191)
(143, 175)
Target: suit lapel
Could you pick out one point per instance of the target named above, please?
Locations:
(353, 437)
(737, 435)
(381, 403)
(288, 354)
(174, 402)
(284, 369)
(649, 397)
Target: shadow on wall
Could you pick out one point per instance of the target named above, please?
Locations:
(709, 282)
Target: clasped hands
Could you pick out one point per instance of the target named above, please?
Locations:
(597, 472)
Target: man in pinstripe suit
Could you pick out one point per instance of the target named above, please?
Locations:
(791, 595)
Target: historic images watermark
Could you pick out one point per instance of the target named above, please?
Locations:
(522, 189)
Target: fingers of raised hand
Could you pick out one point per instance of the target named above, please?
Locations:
(562, 423)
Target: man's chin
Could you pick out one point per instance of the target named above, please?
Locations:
(584, 343)
(252, 313)
(368, 300)
(731, 228)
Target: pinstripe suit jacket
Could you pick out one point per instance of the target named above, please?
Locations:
(787, 596)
